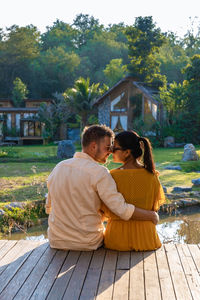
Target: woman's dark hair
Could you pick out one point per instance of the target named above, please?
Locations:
(131, 140)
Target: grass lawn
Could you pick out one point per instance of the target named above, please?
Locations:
(24, 170)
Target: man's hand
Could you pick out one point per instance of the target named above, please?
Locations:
(145, 215)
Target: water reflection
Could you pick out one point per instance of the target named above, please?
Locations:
(35, 233)
(183, 228)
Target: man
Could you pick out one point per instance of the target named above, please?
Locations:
(76, 188)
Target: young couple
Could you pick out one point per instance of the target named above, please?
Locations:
(82, 192)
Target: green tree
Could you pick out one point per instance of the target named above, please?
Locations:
(54, 116)
(98, 52)
(172, 58)
(18, 48)
(144, 40)
(19, 92)
(115, 71)
(54, 71)
(80, 98)
(86, 26)
(60, 34)
(174, 100)
(192, 88)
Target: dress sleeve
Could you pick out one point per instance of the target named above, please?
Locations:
(159, 195)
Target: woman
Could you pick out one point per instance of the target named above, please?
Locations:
(139, 184)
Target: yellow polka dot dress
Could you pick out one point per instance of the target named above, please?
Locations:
(142, 189)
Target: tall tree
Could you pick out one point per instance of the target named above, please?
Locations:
(19, 92)
(115, 71)
(144, 40)
(18, 48)
(86, 27)
(172, 58)
(80, 98)
(60, 34)
(192, 87)
(54, 71)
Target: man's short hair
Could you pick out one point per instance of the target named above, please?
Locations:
(95, 133)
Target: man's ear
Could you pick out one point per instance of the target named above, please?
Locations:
(93, 146)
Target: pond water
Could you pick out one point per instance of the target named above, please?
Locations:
(183, 228)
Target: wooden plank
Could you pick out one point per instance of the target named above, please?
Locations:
(137, 276)
(89, 290)
(123, 261)
(105, 289)
(7, 246)
(64, 276)
(13, 267)
(121, 285)
(17, 281)
(75, 285)
(166, 284)
(2, 243)
(190, 270)
(195, 252)
(49, 276)
(34, 278)
(152, 285)
(13, 253)
(178, 277)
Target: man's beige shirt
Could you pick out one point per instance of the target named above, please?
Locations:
(75, 189)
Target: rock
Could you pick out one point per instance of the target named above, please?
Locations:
(164, 189)
(17, 204)
(189, 153)
(169, 141)
(2, 212)
(180, 189)
(66, 149)
(196, 182)
(173, 168)
(14, 205)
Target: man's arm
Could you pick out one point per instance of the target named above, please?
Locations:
(140, 214)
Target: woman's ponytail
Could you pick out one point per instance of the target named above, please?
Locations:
(148, 156)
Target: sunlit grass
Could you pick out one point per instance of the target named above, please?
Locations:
(22, 179)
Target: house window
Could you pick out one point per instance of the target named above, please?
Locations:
(119, 104)
(154, 111)
(17, 121)
(37, 129)
(25, 128)
(31, 128)
(9, 122)
(1, 128)
(119, 123)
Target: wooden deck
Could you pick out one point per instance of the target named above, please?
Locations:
(31, 270)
